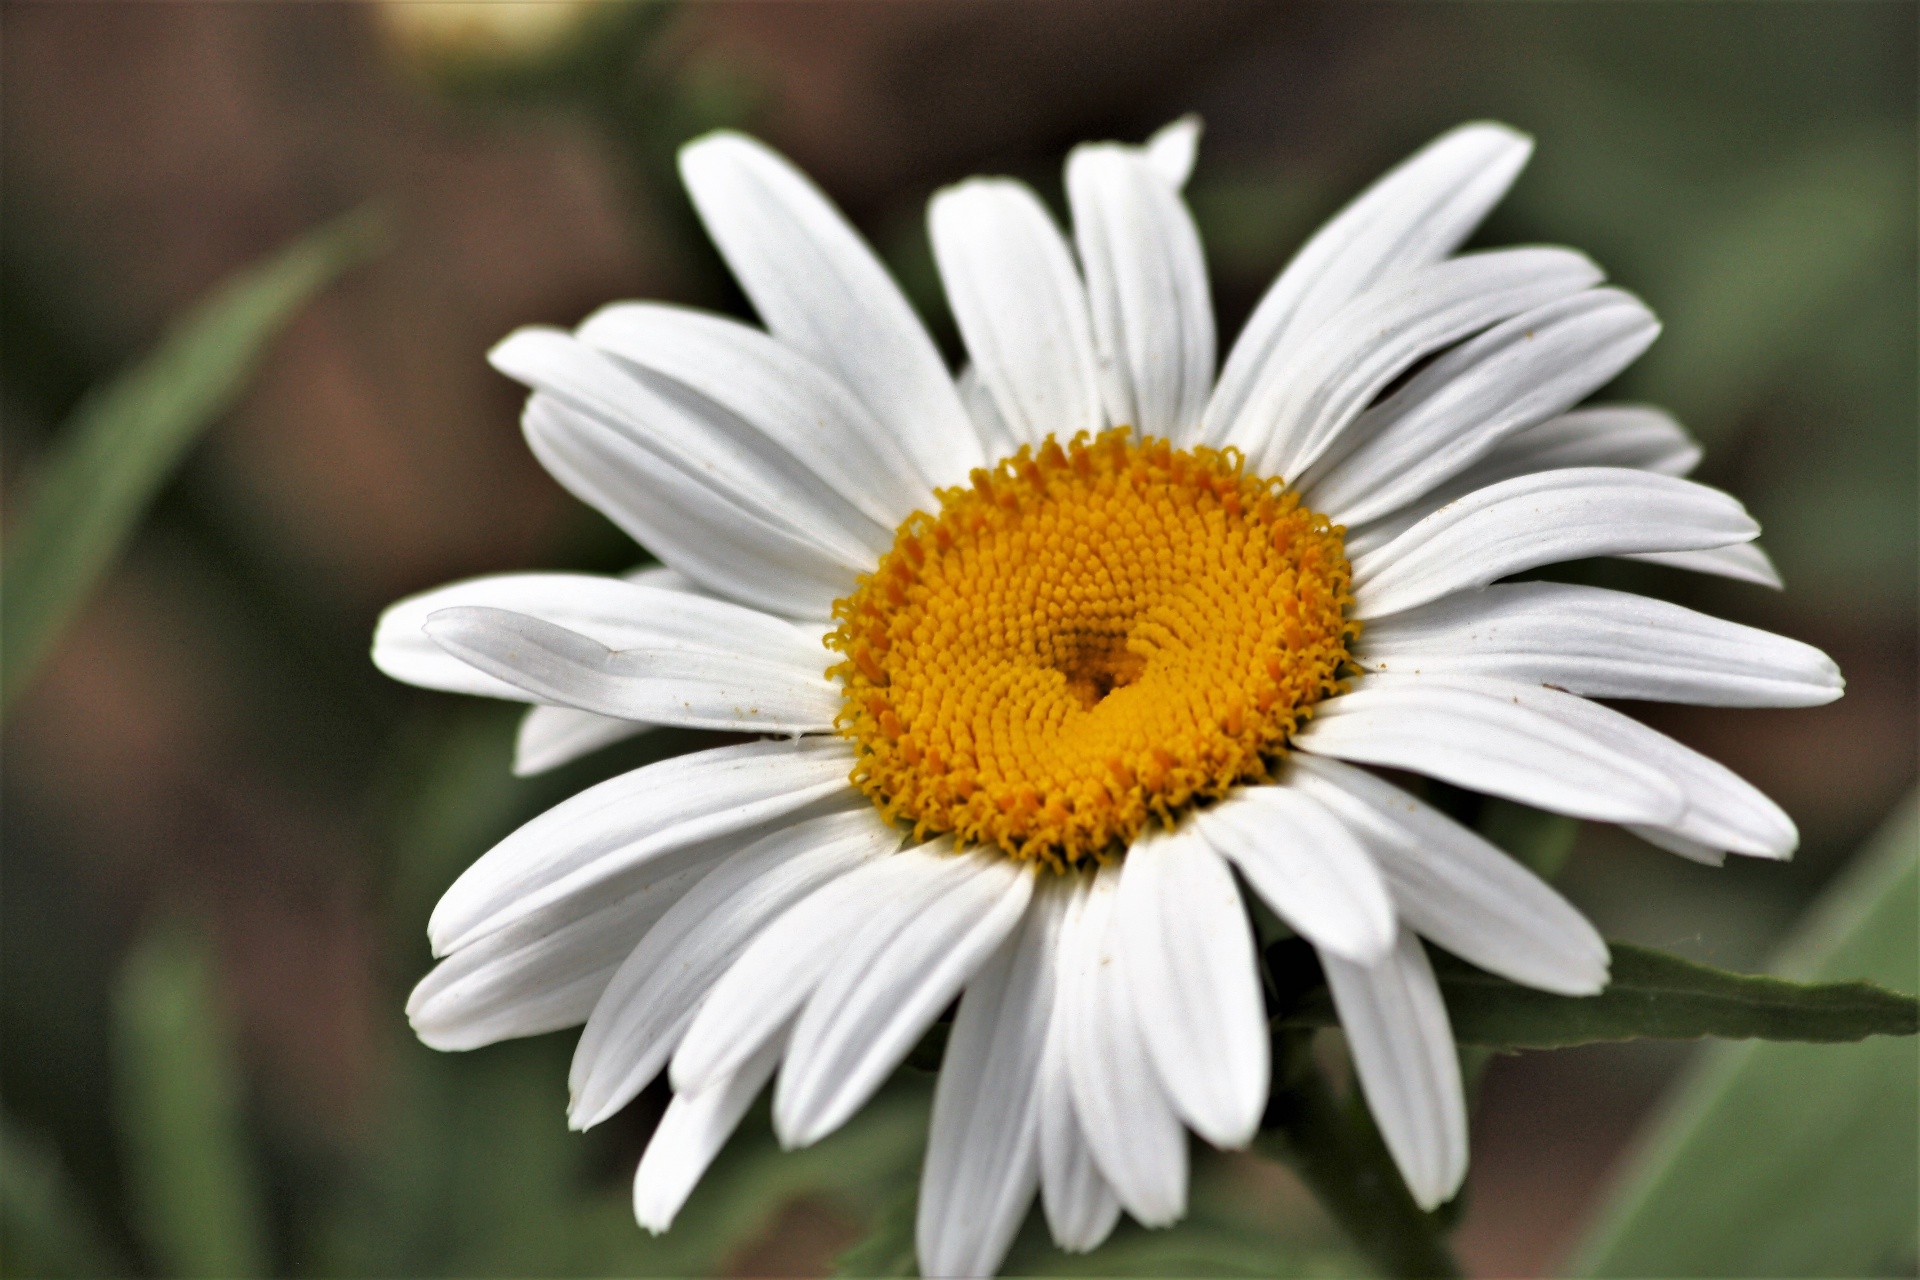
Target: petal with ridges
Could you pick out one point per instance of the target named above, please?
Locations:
(691, 1134)
(1743, 562)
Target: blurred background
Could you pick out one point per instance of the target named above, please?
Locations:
(223, 830)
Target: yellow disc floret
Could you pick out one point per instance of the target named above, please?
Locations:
(1087, 637)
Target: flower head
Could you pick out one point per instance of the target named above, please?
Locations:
(1057, 647)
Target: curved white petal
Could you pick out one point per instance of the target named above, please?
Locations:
(646, 1007)
(1743, 562)
(627, 822)
(1722, 811)
(677, 429)
(983, 1160)
(1600, 644)
(1452, 886)
(996, 437)
(1541, 519)
(736, 691)
(1496, 742)
(1635, 436)
(897, 972)
(1018, 300)
(1417, 213)
(1128, 1121)
(1461, 406)
(1194, 977)
(691, 1134)
(549, 737)
(1172, 149)
(1079, 1204)
(1402, 1045)
(545, 970)
(821, 291)
(1146, 282)
(730, 550)
(1305, 864)
(733, 370)
(1300, 405)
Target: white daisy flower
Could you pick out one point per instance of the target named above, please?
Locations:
(1055, 648)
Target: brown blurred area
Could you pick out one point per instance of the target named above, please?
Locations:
(150, 149)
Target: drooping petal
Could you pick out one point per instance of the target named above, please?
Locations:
(679, 430)
(1305, 864)
(733, 551)
(1542, 519)
(1300, 406)
(651, 813)
(1416, 214)
(1020, 305)
(1454, 887)
(1743, 562)
(737, 691)
(734, 369)
(1147, 289)
(821, 291)
(545, 971)
(1402, 1044)
(1477, 738)
(1172, 149)
(983, 1159)
(1194, 977)
(646, 1007)
(1460, 407)
(1128, 1121)
(691, 1134)
(1600, 644)
(903, 966)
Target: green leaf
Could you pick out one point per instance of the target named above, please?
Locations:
(125, 439)
(195, 1192)
(1540, 840)
(45, 1230)
(1652, 995)
(1791, 1160)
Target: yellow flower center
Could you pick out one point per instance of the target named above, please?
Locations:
(1086, 637)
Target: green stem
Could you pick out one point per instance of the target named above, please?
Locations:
(1338, 1153)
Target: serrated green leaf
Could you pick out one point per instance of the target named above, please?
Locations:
(1791, 1160)
(126, 438)
(195, 1192)
(1656, 996)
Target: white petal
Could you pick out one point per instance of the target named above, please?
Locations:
(1300, 405)
(740, 371)
(1635, 436)
(903, 966)
(1194, 976)
(1723, 811)
(1397, 1029)
(996, 437)
(690, 1135)
(1011, 283)
(677, 429)
(759, 994)
(1541, 519)
(1600, 644)
(706, 690)
(546, 970)
(552, 736)
(1172, 148)
(1080, 1204)
(654, 995)
(1125, 1114)
(983, 1159)
(639, 817)
(1461, 406)
(1307, 866)
(1743, 562)
(1452, 886)
(730, 550)
(1146, 287)
(821, 291)
(1418, 213)
(1489, 741)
